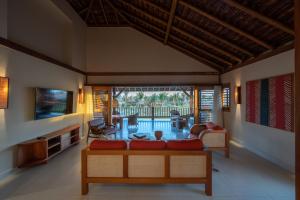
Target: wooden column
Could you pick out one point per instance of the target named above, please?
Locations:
(109, 106)
(297, 96)
(196, 105)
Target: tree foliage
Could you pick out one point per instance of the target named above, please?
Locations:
(155, 99)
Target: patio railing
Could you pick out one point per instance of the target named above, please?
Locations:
(152, 112)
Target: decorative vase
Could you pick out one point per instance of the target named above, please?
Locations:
(158, 134)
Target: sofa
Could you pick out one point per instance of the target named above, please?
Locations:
(214, 137)
(146, 162)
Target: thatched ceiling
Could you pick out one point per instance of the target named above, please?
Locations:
(224, 34)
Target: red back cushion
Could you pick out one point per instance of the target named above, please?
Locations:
(210, 125)
(108, 144)
(194, 144)
(217, 127)
(147, 145)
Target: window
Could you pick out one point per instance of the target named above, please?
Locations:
(226, 97)
(206, 105)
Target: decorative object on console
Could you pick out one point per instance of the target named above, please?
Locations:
(270, 102)
(4, 85)
(158, 135)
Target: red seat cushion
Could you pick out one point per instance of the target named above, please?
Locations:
(210, 125)
(108, 144)
(147, 145)
(194, 144)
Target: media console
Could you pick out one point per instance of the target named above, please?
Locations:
(40, 150)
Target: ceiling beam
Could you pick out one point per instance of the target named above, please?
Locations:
(144, 13)
(260, 16)
(89, 10)
(201, 50)
(264, 55)
(149, 2)
(143, 21)
(221, 51)
(151, 73)
(171, 18)
(214, 36)
(196, 57)
(191, 36)
(182, 50)
(186, 43)
(227, 25)
(103, 11)
(83, 10)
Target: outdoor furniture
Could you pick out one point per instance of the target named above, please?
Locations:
(98, 128)
(133, 120)
(118, 119)
(174, 117)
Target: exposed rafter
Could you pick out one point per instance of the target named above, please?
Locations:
(221, 51)
(178, 39)
(224, 48)
(226, 25)
(171, 18)
(89, 10)
(83, 11)
(193, 55)
(149, 2)
(103, 11)
(162, 32)
(214, 36)
(201, 50)
(260, 16)
(144, 13)
(185, 51)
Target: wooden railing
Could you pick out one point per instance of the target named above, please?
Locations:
(152, 112)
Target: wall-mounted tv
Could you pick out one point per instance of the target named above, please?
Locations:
(52, 103)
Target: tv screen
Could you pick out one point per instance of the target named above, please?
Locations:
(52, 103)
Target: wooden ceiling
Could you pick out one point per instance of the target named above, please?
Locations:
(223, 34)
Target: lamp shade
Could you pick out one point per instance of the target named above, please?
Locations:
(81, 96)
(238, 95)
(4, 84)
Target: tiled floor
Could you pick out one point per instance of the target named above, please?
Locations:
(242, 177)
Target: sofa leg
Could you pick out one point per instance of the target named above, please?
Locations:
(84, 188)
(208, 189)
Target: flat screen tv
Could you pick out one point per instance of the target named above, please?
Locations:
(52, 103)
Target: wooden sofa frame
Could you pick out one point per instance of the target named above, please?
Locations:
(207, 180)
(225, 149)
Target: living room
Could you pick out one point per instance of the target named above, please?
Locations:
(65, 51)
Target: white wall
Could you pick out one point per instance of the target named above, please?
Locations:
(123, 49)
(3, 18)
(41, 26)
(275, 145)
(44, 27)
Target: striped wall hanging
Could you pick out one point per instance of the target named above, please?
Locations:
(270, 102)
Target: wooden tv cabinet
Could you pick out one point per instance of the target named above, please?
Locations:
(40, 150)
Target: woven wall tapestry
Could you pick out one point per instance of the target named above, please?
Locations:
(270, 102)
